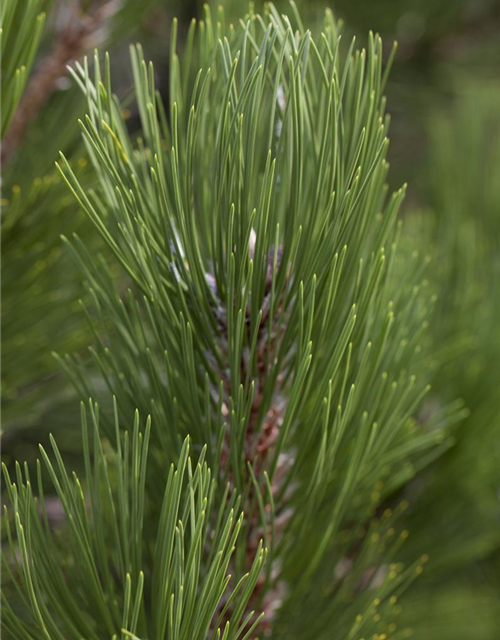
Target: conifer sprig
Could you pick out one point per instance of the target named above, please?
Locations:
(104, 575)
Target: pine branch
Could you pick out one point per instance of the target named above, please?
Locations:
(276, 357)
(270, 317)
(112, 582)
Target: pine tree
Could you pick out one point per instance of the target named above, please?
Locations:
(252, 300)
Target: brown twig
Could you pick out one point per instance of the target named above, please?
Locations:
(262, 432)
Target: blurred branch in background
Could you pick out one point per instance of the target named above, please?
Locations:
(41, 286)
(22, 26)
(455, 504)
(438, 41)
(74, 34)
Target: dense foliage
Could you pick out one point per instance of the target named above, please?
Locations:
(253, 298)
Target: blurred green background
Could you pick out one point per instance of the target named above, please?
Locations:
(444, 99)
